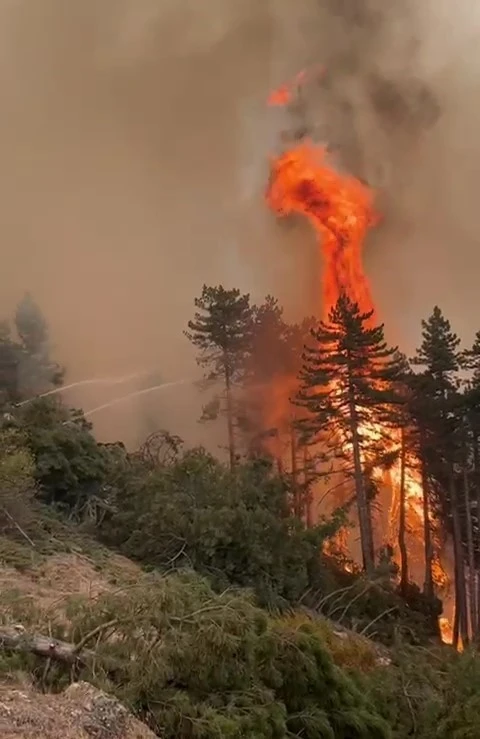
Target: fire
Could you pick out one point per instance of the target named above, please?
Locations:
(339, 207)
(285, 94)
(341, 210)
(446, 630)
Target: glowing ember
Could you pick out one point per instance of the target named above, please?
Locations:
(285, 94)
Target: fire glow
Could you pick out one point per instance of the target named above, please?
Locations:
(341, 210)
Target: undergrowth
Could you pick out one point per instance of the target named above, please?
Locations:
(198, 664)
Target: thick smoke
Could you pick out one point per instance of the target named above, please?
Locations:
(397, 105)
(134, 143)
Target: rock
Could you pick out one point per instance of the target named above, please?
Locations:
(81, 712)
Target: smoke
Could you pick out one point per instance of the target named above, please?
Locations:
(398, 105)
(120, 143)
(134, 142)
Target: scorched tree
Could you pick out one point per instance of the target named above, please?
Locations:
(347, 384)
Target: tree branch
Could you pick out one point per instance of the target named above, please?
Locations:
(17, 639)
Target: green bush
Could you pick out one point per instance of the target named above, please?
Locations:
(235, 527)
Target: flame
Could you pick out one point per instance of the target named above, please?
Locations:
(289, 91)
(286, 93)
(339, 207)
(446, 630)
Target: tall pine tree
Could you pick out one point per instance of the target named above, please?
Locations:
(347, 384)
(222, 332)
(439, 357)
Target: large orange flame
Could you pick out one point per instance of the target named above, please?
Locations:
(339, 207)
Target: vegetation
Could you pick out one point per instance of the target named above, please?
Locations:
(347, 379)
(245, 617)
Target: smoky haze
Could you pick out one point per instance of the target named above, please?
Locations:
(134, 143)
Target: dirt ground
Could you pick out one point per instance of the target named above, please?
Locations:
(50, 582)
(81, 712)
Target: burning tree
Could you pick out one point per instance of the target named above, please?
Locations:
(347, 387)
(269, 416)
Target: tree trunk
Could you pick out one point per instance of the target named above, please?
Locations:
(15, 638)
(470, 544)
(402, 519)
(460, 589)
(297, 503)
(427, 534)
(476, 471)
(308, 492)
(456, 623)
(230, 427)
(366, 534)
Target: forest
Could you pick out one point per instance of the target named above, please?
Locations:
(293, 580)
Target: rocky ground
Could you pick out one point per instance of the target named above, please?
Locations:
(81, 712)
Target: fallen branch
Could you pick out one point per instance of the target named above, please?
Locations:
(17, 639)
(377, 618)
(18, 527)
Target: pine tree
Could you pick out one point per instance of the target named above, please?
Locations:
(470, 361)
(347, 383)
(272, 371)
(439, 352)
(222, 331)
(37, 372)
(439, 356)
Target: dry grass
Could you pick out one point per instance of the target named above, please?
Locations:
(48, 582)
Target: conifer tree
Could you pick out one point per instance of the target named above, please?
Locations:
(439, 357)
(266, 365)
(439, 352)
(347, 383)
(273, 368)
(37, 372)
(222, 332)
(470, 360)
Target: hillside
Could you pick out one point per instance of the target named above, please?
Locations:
(69, 594)
(38, 586)
(204, 597)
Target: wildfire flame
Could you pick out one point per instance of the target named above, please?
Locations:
(339, 207)
(341, 210)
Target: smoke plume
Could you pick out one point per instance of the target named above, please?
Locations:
(134, 143)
